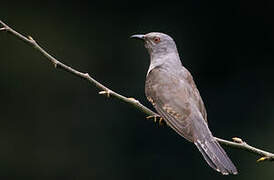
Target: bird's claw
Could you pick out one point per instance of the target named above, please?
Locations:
(155, 117)
(161, 121)
(106, 92)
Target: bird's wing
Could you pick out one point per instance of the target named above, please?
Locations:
(185, 74)
(173, 98)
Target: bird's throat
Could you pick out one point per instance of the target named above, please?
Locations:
(168, 61)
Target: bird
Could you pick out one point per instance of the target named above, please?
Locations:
(170, 88)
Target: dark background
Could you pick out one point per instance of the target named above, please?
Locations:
(54, 125)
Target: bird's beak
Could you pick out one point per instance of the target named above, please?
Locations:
(138, 36)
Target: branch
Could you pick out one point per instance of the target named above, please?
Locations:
(240, 144)
(57, 64)
(236, 143)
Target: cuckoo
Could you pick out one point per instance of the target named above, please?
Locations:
(172, 91)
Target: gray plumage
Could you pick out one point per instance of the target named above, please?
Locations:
(173, 93)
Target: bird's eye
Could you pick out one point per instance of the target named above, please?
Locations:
(156, 39)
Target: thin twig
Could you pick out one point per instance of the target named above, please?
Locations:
(240, 144)
(236, 143)
(57, 64)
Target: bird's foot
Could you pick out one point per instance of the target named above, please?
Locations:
(155, 118)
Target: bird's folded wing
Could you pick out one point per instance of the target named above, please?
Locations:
(182, 127)
(173, 99)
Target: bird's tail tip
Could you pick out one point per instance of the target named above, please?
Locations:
(215, 156)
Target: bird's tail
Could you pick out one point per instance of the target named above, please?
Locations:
(215, 156)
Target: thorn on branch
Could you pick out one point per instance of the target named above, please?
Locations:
(237, 140)
(87, 75)
(3, 29)
(31, 39)
(106, 92)
(133, 99)
(263, 159)
(55, 64)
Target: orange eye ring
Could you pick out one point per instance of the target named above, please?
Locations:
(156, 39)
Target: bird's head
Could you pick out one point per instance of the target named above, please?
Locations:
(157, 44)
